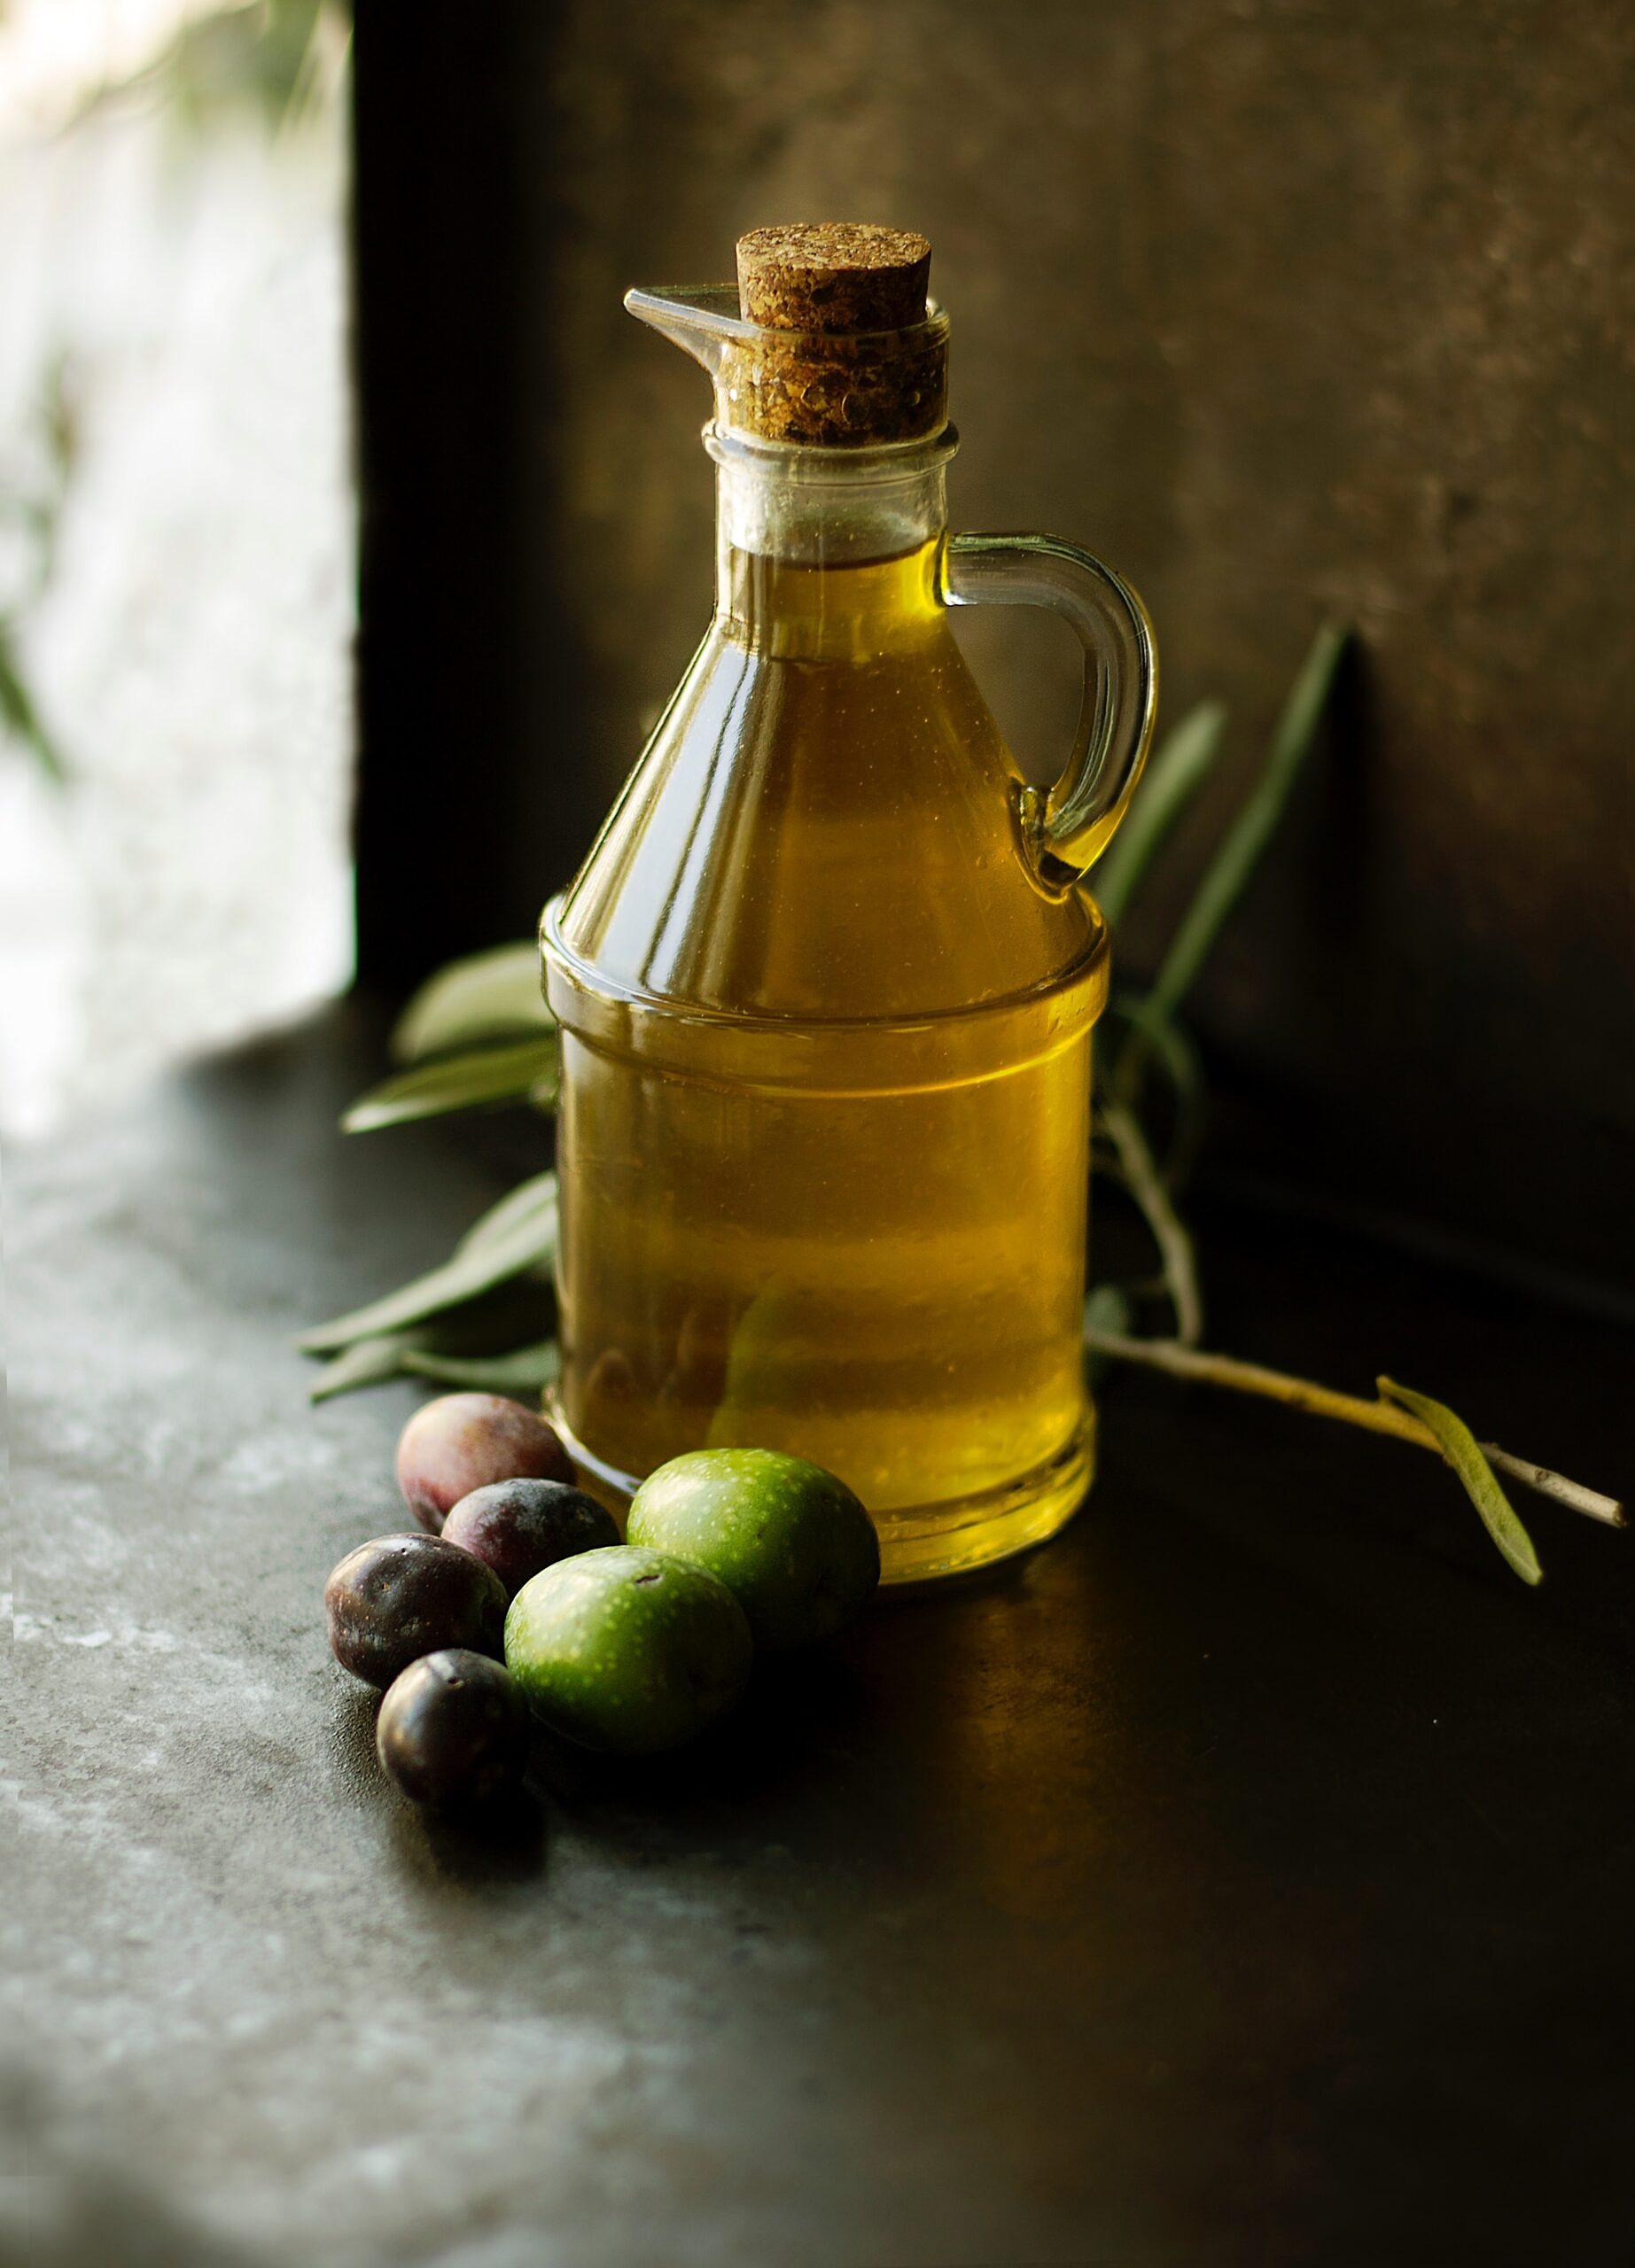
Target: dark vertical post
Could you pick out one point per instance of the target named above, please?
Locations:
(439, 263)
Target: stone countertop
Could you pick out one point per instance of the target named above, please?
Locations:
(1246, 1877)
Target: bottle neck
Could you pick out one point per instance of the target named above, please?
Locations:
(826, 551)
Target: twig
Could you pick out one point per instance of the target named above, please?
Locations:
(1573, 1494)
(1322, 1402)
(1170, 1232)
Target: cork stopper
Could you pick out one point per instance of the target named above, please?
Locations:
(833, 275)
(863, 361)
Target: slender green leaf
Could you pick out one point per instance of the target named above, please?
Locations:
(1173, 773)
(1249, 833)
(1463, 1453)
(514, 1314)
(530, 1242)
(526, 1071)
(529, 1201)
(18, 713)
(1154, 1038)
(1178, 1057)
(525, 1369)
(368, 1362)
(485, 996)
(1107, 1307)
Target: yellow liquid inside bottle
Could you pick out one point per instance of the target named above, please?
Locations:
(823, 1138)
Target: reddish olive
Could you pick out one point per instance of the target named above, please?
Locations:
(463, 1441)
(518, 1527)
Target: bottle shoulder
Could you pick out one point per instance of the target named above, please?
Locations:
(823, 838)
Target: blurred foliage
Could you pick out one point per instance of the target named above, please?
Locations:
(31, 502)
(282, 61)
(279, 57)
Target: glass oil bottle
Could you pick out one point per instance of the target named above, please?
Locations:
(828, 978)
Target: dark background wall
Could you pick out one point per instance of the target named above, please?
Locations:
(1289, 310)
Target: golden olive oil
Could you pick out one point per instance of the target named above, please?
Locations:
(826, 1069)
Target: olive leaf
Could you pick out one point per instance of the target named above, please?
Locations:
(485, 996)
(529, 1242)
(1154, 1038)
(1233, 863)
(1107, 1309)
(531, 1200)
(1462, 1451)
(1153, 1030)
(526, 1071)
(483, 1329)
(1173, 773)
(525, 1369)
(367, 1362)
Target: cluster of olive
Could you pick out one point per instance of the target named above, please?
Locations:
(517, 1597)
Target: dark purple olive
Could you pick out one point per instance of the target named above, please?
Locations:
(453, 1729)
(518, 1527)
(461, 1441)
(400, 1596)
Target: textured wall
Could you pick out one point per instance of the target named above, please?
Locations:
(1289, 310)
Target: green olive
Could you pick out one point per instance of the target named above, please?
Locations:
(791, 1543)
(628, 1649)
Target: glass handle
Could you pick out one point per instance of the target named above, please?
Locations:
(1066, 830)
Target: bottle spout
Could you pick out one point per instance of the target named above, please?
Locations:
(703, 322)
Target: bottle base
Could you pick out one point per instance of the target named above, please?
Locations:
(919, 1542)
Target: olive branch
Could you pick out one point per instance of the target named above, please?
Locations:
(479, 1035)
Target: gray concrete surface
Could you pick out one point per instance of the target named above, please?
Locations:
(1243, 1879)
